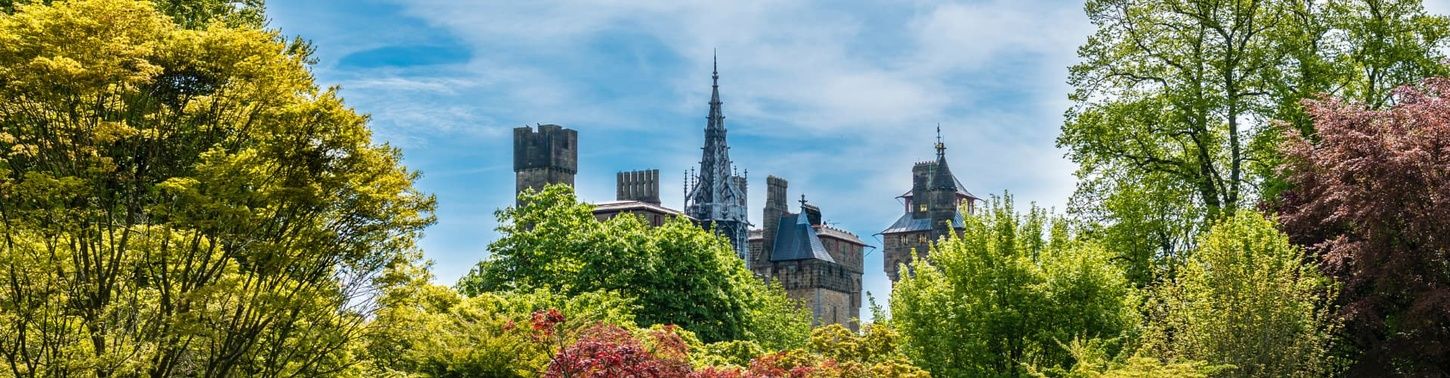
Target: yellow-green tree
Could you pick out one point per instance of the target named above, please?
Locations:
(180, 201)
(1246, 298)
(1006, 294)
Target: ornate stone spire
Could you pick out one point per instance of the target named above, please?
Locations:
(717, 198)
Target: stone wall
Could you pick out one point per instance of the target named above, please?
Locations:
(838, 288)
(898, 250)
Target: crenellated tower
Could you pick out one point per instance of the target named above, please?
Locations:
(549, 155)
(716, 197)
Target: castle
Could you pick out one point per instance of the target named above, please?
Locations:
(817, 264)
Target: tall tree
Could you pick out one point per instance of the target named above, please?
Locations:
(1005, 294)
(184, 202)
(1174, 99)
(1369, 196)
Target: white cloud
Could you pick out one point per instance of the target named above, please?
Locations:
(860, 87)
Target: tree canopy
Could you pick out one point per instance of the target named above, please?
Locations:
(1368, 196)
(184, 202)
(1248, 300)
(678, 273)
(1005, 293)
(1174, 102)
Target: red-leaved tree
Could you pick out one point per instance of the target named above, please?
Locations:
(610, 351)
(1371, 196)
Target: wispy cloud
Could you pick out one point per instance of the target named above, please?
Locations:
(838, 98)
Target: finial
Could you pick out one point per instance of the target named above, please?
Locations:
(940, 147)
(803, 200)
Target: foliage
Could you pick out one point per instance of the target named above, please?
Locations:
(834, 351)
(185, 202)
(1170, 126)
(190, 14)
(610, 351)
(430, 330)
(1248, 299)
(1368, 197)
(1092, 361)
(678, 273)
(728, 353)
(1005, 293)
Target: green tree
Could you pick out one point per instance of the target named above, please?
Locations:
(1174, 102)
(677, 273)
(1004, 294)
(184, 202)
(1246, 298)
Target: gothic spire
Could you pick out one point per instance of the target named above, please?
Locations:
(717, 198)
(716, 117)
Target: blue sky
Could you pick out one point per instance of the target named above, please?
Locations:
(840, 98)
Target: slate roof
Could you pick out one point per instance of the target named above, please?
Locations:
(795, 239)
(908, 224)
(961, 190)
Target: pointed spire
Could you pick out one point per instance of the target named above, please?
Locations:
(716, 196)
(716, 117)
(942, 176)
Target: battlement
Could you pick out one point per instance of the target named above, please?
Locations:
(550, 146)
(642, 186)
(545, 156)
(840, 230)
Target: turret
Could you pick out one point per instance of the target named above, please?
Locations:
(549, 155)
(917, 204)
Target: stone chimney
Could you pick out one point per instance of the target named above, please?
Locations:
(775, 208)
(642, 186)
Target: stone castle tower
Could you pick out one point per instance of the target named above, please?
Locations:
(549, 155)
(715, 196)
(817, 264)
(933, 208)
